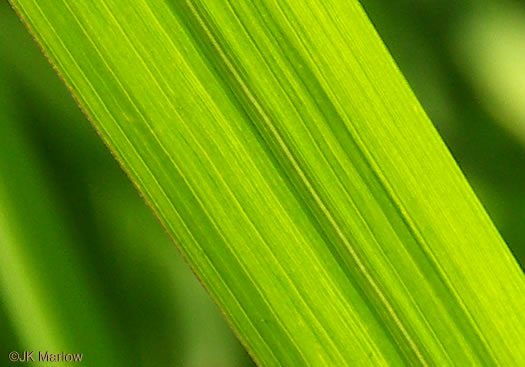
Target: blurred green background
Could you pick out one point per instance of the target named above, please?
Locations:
(84, 266)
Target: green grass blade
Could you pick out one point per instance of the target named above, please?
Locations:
(286, 155)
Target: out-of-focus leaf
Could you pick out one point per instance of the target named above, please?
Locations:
(40, 270)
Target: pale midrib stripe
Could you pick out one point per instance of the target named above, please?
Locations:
(338, 159)
(325, 159)
(314, 194)
(144, 187)
(362, 328)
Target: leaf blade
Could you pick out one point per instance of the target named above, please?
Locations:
(222, 127)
